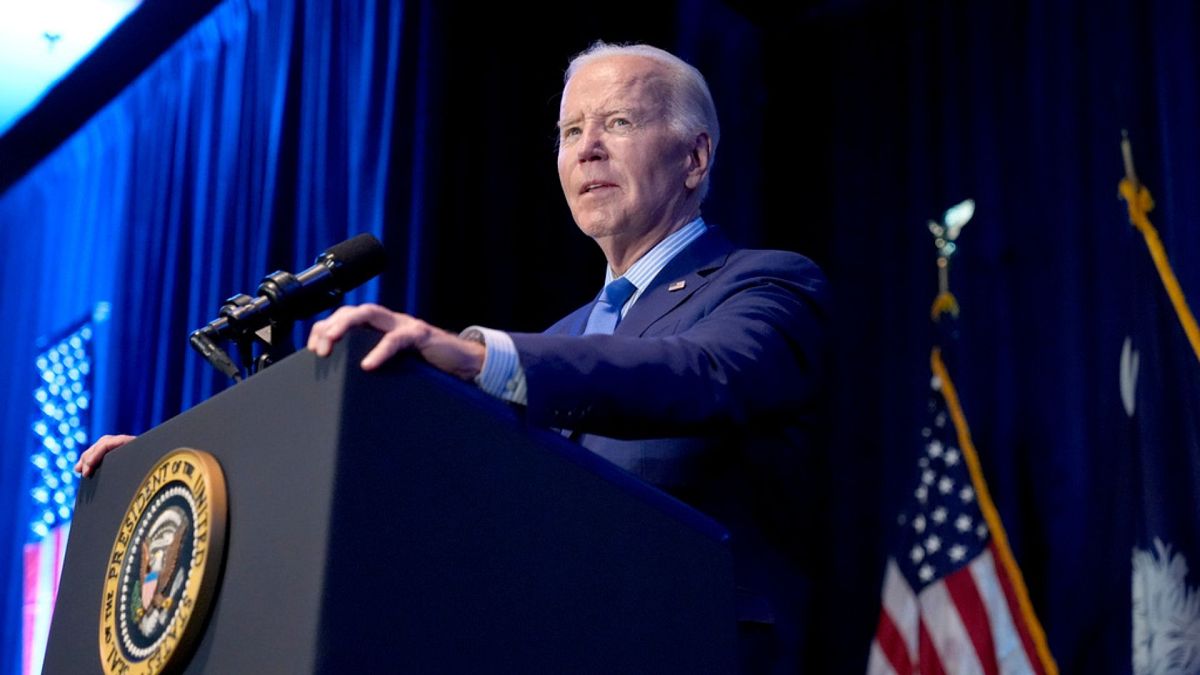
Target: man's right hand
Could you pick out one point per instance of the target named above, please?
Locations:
(90, 460)
(445, 351)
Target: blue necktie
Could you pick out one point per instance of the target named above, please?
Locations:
(606, 313)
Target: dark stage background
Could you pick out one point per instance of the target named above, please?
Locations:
(275, 128)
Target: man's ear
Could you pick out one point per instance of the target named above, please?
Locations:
(699, 154)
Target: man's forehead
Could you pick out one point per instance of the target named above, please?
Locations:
(613, 84)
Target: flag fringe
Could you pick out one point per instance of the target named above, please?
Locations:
(1138, 198)
(990, 514)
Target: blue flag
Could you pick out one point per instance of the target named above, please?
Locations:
(1160, 393)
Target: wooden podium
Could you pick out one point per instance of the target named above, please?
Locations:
(403, 521)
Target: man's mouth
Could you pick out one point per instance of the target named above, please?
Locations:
(593, 186)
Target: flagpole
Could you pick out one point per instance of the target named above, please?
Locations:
(1139, 201)
(945, 234)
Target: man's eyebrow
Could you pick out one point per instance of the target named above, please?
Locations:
(574, 119)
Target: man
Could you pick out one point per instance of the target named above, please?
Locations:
(696, 369)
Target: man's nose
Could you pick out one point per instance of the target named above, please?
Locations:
(591, 146)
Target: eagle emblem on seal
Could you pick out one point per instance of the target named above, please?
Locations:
(160, 561)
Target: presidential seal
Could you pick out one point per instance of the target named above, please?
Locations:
(162, 573)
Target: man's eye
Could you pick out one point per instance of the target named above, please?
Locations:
(570, 132)
(620, 122)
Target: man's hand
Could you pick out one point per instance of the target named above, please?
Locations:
(90, 460)
(445, 351)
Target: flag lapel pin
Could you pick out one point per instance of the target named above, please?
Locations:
(676, 286)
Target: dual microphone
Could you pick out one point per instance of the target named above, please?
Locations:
(283, 298)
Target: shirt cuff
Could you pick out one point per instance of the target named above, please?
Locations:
(502, 375)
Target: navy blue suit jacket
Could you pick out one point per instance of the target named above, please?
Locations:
(708, 389)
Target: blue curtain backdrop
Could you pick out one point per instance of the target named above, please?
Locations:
(255, 142)
(276, 128)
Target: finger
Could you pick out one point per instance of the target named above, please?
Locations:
(328, 331)
(91, 458)
(84, 465)
(392, 342)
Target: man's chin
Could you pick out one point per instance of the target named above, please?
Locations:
(597, 228)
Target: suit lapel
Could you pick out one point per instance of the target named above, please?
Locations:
(691, 266)
(573, 323)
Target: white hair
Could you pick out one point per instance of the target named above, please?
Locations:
(690, 108)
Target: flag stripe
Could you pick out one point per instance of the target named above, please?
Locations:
(60, 551)
(30, 605)
(1010, 597)
(1011, 654)
(900, 603)
(43, 566)
(890, 643)
(928, 661)
(961, 587)
(941, 619)
(878, 663)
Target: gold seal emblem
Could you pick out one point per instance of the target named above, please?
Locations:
(162, 572)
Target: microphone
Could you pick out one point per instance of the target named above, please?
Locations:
(283, 296)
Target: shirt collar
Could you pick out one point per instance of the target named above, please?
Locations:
(642, 272)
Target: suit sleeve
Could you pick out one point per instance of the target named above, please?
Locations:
(744, 349)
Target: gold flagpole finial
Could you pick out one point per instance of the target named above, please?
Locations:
(1136, 196)
(944, 235)
(1127, 156)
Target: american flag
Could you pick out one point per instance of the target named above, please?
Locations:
(62, 403)
(953, 599)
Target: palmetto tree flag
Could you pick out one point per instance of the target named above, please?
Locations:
(953, 598)
(1160, 392)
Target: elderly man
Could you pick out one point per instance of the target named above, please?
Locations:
(696, 368)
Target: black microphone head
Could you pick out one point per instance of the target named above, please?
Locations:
(354, 261)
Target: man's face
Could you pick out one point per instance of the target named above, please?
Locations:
(623, 170)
